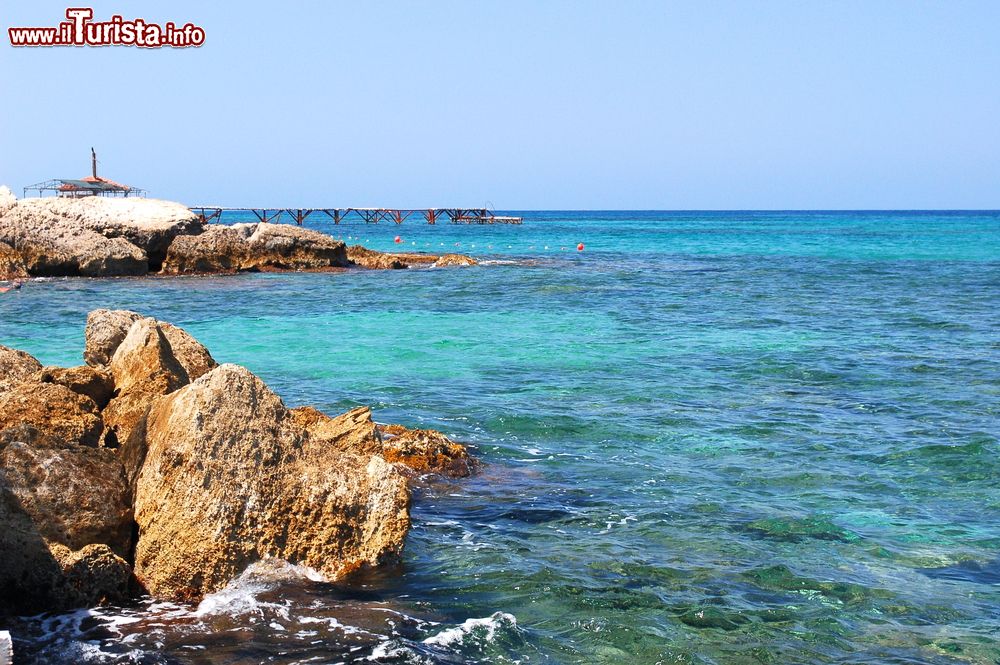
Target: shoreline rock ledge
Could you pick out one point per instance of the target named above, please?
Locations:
(153, 469)
(96, 236)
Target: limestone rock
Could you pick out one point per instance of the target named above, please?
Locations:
(56, 498)
(51, 242)
(15, 367)
(455, 260)
(75, 495)
(11, 264)
(104, 332)
(7, 199)
(53, 409)
(219, 249)
(190, 353)
(93, 575)
(149, 224)
(369, 258)
(293, 247)
(97, 384)
(352, 432)
(422, 451)
(143, 367)
(230, 479)
(426, 451)
(254, 247)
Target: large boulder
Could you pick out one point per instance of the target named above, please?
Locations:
(11, 264)
(190, 353)
(230, 478)
(293, 247)
(143, 367)
(51, 242)
(15, 367)
(149, 224)
(53, 409)
(219, 249)
(92, 382)
(66, 524)
(254, 247)
(75, 495)
(105, 330)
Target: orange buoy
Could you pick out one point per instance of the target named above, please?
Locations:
(579, 247)
(398, 239)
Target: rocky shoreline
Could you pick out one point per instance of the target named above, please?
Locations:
(108, 237)
(153, 469)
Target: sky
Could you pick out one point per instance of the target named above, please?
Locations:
(768, 104)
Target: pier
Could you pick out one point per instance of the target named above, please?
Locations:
(366, 215)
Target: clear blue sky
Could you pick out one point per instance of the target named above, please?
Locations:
(700, 104)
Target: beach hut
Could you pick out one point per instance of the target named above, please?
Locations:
(92, 185)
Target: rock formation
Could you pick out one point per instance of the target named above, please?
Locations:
(66, 523)
(369, 258)
(97, 384)
(15, 366)
(11, 264)
(143, 366)
(229, 479)
(98, 236)
(54, 410)
(154, 468)
(254, 247)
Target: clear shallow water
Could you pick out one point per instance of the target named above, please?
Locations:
(710, 438)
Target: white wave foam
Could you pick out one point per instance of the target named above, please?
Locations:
(481, 629)
(240, 595)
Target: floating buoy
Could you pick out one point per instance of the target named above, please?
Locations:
(579, 247)
(398, 239)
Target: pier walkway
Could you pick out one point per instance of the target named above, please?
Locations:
(366, 215)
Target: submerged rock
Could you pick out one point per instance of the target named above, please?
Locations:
(713, 617)
(15, 367)
(230, 479)
(52, 409)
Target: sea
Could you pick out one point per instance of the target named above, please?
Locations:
(707, 437)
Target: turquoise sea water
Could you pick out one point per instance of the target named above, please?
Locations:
(709, 438)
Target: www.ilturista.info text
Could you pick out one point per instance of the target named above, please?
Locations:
(80, 30)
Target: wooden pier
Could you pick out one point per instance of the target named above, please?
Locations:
(366, 215)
